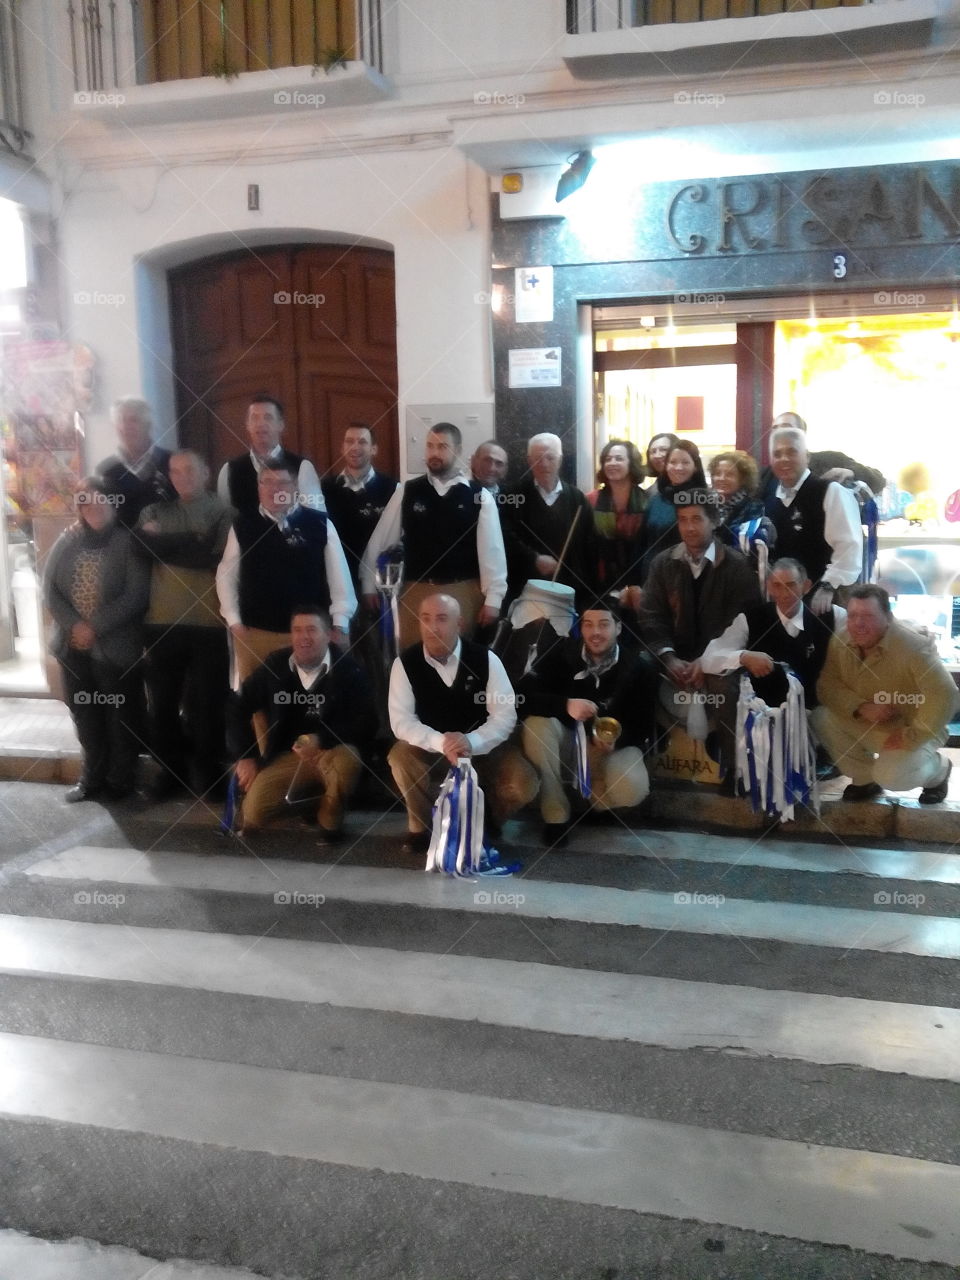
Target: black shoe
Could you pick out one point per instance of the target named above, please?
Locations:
(864, 791)
(82, 791)
(415, 842)
(556, 835)
(727, 785)
(117, 794)
(162, 787)
(937, 794)
(325, 837)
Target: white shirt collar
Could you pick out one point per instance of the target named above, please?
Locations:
(281, 518)
(310, 674)
(451, 663)
(787, 495)
(550, 495)
(443, 486)
(696, 566)
(275, 452)
(793, 626)
(350, 482)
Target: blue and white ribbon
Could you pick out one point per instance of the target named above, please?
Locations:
(457, 845)
(583, 759)
(776, 761)
(231, 809)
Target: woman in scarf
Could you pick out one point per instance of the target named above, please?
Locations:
(735, 478)
(97, 587)
(618, 515)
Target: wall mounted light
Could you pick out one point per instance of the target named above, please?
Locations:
(572, 179)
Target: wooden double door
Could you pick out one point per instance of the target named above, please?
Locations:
(313, 326)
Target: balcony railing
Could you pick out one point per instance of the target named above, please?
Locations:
(186, 39)
(601, 15)
(13, 134)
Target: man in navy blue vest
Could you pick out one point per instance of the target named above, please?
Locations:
(357, 497)
(451, 538)
(817, 521)
(320, 717)
(275, 556)
(782, 629)
(450, 698)
(237, 482)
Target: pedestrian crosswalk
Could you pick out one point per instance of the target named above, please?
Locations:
(195, 1032)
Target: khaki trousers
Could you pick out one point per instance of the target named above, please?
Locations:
(249, 652)
(467, 594)
(857, 749)
(332, 777)
(618, 780)
(507, 780)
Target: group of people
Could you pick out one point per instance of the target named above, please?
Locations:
(549, 636)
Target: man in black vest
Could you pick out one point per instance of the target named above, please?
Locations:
(139, 472)
(542, 515)
(817, 521)
(275, 556)
(320, 717)
(449, 699)
(451, 538)
(237, 482)
(357, 497)
(782, 629)
(826, 464)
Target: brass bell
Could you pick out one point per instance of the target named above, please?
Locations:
(607, 730)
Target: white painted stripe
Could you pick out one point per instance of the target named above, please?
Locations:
(849, 929)
(24, 1257)
(918, 1040)
(780, 855)
(882, 1203)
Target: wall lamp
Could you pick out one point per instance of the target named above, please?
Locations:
(572, 179)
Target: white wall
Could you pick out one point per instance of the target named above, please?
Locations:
(429, 206)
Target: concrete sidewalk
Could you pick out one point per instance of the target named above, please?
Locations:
(38, 744)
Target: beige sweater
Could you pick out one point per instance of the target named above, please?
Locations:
(903, 671)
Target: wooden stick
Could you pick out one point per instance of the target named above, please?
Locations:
(566, 545)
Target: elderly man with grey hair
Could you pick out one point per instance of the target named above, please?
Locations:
(139, 472)
(817, 521)
(540, 515)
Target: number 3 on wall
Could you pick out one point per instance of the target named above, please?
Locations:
(839, 266)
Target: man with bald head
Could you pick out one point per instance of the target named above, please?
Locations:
(450, 698)
(537, 519)
(488, 466)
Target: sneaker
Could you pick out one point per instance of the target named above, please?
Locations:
(937, 794)
(863, 791)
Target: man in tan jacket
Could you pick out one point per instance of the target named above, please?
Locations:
(885, 702)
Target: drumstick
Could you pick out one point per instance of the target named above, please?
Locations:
(566, 545)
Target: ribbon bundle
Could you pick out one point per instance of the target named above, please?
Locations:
(583, 760)
(751, 536)
(776, 763)
(457, 845)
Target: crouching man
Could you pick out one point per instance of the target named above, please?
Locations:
(885, 702)
(449, 699)
(320, 716)
(577, 683)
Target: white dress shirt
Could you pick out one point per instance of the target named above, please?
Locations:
(723, 654)
(490, 551)
(310, 675)
(309, 493)
(696, 567)
(343, 598)
(551, 497)
(842, 531)
(500, 704)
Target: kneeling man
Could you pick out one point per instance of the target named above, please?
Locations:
(450, 698)
(575, 684)
(885, 702)
(320, 716)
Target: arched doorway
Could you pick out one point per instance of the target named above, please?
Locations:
(313, 325)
